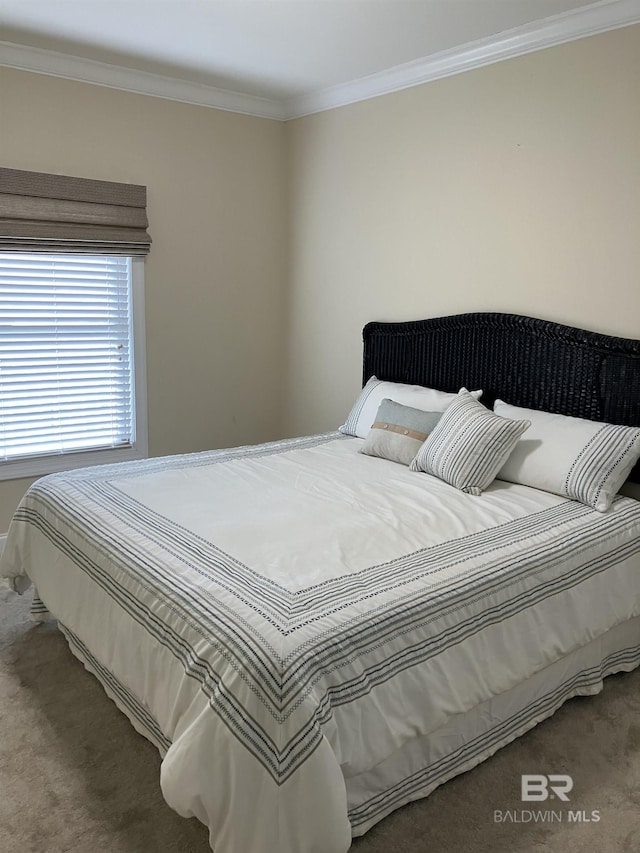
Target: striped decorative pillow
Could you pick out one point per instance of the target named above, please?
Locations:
(469, 445)
(584, 460)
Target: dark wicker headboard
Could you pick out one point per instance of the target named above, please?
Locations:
(522, 360)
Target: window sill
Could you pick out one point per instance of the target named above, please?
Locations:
(40, 465)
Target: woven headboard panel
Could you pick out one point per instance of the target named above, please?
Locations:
(522, 360)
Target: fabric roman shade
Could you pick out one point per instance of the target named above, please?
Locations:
(56, 213)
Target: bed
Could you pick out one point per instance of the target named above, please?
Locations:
(315, 637)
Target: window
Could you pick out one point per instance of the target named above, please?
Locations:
(72, 375)
(72, 371)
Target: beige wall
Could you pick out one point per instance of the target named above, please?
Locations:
(512, 188)
(214, 278)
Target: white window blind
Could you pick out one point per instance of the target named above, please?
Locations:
(66, 354)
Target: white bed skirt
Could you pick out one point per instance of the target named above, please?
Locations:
(423, 764)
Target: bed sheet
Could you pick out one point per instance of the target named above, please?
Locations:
(288, 616)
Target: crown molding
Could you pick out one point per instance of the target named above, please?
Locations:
(576, 24)
(557, 29)
(83, 70)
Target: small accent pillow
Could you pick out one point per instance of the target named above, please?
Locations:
(366, 407)
(398, 432)
(584, 460)
(469, 445)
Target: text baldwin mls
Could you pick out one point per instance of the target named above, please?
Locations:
(545, 816)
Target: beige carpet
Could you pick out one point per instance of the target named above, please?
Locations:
(75, 777)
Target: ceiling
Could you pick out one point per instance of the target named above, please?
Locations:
(278, 50)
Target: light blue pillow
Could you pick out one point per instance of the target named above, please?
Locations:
(398, 432)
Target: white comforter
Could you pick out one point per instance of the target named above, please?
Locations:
(279, 618)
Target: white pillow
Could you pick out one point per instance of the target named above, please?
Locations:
(468, 445)
(365, 409)
(584, 460)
